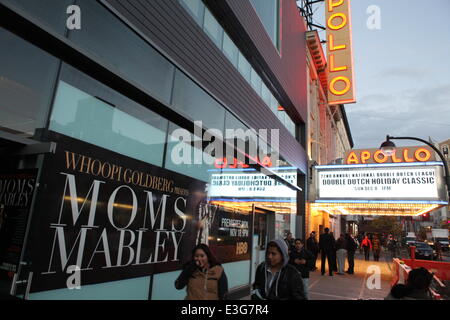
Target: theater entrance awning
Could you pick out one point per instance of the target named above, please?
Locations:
(401, 189)
(377, 208)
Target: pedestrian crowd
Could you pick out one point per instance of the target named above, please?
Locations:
(284, 275)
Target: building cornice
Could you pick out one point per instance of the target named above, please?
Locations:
(318, 57)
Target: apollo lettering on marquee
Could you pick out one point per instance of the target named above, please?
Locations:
(339, 52)
(410, 154)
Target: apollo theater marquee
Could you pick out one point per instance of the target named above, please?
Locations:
(408, 183)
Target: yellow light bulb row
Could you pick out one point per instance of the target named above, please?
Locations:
(375, 209)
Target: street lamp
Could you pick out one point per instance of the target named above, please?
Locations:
(388, 148)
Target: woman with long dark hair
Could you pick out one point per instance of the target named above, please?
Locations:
(203, 276)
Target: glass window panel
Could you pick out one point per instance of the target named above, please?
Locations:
(212, 28)
(231, 122)
(196, 9)
(268, 12)
(77, 113)
(244, 67)
(256, 82)
(194, 103)
(281, 116)
(180, 155)
(52, 13)
(290, 125)
(230, 50)
(265, 94)
(111, 41)
(274, 104)
(27, 77)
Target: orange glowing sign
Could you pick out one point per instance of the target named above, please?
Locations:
(339, 52)
(409, 154)
(221, 163)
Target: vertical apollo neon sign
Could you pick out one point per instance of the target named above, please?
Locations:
(339, 52)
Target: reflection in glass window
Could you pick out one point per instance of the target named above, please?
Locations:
(111, 41)
(194, 103)
(51, 13)
(230, 50)
(256, 82)
(212, 28)
(196, 8)
(27, 76)
(274, 104)
(181, 156)
(87, 118)
(265, 94)
(231, 122)
(244, 67)
(290, 125)
(281, 115)
(268, 12)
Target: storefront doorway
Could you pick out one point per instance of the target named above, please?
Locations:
(263, 232)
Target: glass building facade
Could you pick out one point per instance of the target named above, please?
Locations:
(101, 124)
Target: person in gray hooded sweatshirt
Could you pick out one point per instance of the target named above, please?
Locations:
(276, 279)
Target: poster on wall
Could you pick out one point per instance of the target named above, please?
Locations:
(109, 217)
(226, 231)
(16, 193)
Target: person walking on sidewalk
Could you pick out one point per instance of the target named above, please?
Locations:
(351, 248)
(303, 260)
(366, 244)
(313, 246)
(326, 246)
(276, 279)
(341, 253)
(203, 276)
(376, 248)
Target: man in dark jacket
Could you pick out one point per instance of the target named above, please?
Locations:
(276, 279)
(303, 260)
(326, 246)
(351, 249)
(313, 247)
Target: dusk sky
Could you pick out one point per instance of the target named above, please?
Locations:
(402, 71)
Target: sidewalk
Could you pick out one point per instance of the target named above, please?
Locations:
(351, 287)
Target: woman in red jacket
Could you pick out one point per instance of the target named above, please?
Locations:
(366, 244)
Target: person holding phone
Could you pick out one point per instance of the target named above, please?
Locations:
(203, 276)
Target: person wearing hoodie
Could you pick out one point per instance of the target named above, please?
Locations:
(276, 279)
